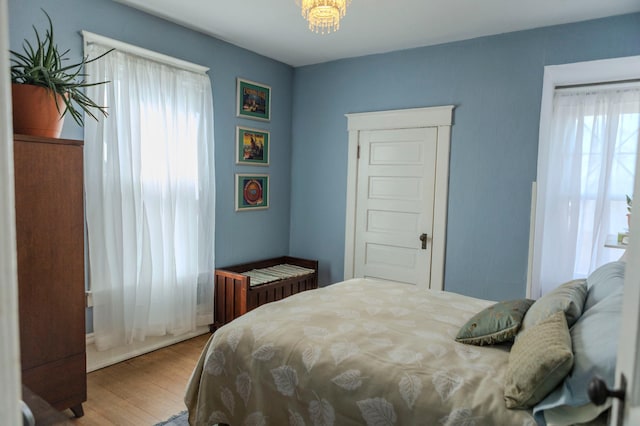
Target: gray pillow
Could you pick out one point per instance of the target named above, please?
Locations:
(495, 324)
(539, 360)
(568, 298)
(603, 282)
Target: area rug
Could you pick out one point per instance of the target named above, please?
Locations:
(180, 419)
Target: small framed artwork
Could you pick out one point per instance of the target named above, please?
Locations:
(252, 146)
(252, 192)
(254, 100)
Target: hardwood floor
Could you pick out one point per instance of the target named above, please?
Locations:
(141, 391)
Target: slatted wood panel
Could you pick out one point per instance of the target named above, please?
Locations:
(141, 391)
(234, 295)
(272, 292)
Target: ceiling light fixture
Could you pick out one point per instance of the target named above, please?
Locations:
(323, 15)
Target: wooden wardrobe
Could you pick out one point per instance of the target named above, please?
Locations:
(50, 244)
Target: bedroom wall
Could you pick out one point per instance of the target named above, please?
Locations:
(495, 83)
(242, 236)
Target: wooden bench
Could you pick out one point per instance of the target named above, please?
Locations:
(235, 294)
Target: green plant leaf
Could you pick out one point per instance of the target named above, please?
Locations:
(42, 64)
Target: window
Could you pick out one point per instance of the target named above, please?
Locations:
(618, 175)
(590, 170)
(150, 194)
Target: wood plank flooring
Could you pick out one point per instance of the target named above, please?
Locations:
(141, 391)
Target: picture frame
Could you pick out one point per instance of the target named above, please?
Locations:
(253, 100)
(252, 146)
(252, 191)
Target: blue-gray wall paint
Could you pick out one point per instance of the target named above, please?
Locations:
(240, 236)
(495, 83)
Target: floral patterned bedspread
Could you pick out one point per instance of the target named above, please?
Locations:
(358, 352)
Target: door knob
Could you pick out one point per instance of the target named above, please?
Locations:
(423, 238)
(599, 392)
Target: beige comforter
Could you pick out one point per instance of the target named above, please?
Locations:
(354, 353)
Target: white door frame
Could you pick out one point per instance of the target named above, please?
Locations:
(440, 117)
(10, 349)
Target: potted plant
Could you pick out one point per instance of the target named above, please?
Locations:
(44, 89)
(628, 210)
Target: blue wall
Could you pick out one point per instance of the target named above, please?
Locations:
(496, 84)
(240, 236)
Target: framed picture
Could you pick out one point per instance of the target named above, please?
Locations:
(254, 100)
(252, 192)
(252, 146)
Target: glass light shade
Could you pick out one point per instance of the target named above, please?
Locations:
(324, 15)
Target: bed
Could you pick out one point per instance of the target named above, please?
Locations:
(358, 352)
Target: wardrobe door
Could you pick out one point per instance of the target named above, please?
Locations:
(50, 244)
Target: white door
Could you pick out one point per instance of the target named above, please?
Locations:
(394, 206)
(397, 192)
(10, 349)
(629, 344)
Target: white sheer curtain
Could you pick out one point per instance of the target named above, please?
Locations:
(589, 170)
(150, 194)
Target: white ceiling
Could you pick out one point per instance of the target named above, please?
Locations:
(275, 28)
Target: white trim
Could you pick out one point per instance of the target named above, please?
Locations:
(605, 70)
(532, 232)
(441, 198)
(352, 192)
(90, 38)
(100, 359)
(401, 118)
(90, 338)
(10, 389)
(440, 117)
(590, 72)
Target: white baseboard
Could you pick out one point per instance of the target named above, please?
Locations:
(90, 338)
(100, 359)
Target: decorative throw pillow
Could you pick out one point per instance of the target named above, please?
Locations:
(568, 298)
(595, 339)
(539, 360)
(495, 324)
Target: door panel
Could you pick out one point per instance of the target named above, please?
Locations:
(628, 363)
(396, 153)
(392, 262)
(394, 206)
(398, 188)
(380, 221)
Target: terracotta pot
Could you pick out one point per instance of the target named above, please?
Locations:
(35, 112)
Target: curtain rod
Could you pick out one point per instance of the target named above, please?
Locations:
(139, 51)
(602, 83)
